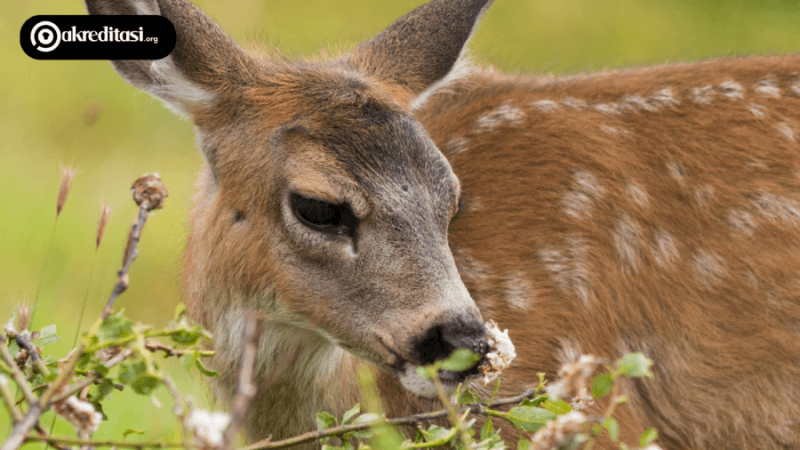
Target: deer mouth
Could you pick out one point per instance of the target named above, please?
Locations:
(406, 372)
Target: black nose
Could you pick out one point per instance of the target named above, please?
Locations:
(441, 339)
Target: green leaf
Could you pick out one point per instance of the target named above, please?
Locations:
(103, 389)
(524, 444)
(530, 419)
(129, 432)
(351, 413)
(467, 398)
(363, 434)
(487, 429)
(461, 359)
(188, 336)
(204, 370)
(612, 426)
(115, 327)
(557, 406)
(130, 371)
(635, 365)
(330, 447)
(435, 432)
(146, 384)
(47, 335)
(423, 372)
(367, 417)
(648, 437)
(601, 385)
(325, 421)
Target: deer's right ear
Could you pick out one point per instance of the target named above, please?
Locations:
(205, 59)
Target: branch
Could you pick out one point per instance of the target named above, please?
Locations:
(245, 388)
(24, 341)
(312, 436)
(149, 193)
(155, 346)
(68, 440)
(20, 432)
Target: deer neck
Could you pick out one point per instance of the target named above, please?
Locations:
(299, 372)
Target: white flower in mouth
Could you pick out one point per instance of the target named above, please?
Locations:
(501, 353)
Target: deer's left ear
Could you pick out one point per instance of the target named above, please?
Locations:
(421, 47)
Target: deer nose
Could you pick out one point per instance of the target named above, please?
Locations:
(443, 338)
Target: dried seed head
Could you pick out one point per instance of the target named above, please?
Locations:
(80, 413)
(149, 192)
(67, 174)
(573, 382)
(24, 313)
(556, 431)
(105, 211)
(501, 353)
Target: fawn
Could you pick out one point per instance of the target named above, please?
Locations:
(380, 206)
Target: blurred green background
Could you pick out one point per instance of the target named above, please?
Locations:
(81, 113)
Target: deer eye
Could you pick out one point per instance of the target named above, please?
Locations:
(322, 216)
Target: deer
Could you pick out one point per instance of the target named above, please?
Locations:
(380, 205)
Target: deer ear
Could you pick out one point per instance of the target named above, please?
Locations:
(421, 47)
(204, 60)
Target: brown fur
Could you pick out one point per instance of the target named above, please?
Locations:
(652, 210)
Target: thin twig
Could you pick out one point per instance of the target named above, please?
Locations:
(312, 436)
(19, 377)
(103, 443)
(245, 388)
(70, 390)
(23, 427)
(155, 346)
(132, 251)
(23, 339)
(8, 400)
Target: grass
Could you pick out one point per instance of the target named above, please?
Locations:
(82, 113)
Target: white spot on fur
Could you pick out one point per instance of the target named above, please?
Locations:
(519, 293)
(742, 221)
(503, 115)
(702, 95)
(615, 130)
(473, 204)
(665, 251)
(778, 208)
(627, 240)
(768, 87)
(456, 146)
(757, 110)
(637, 193)
(796, 86)
(709, 267)
(175, 89)
(676, 172)
(570, 269)
(786, 129)
(574, 103)
(545, 105)
(584, 191)
(663, 98)
(732, 89)
(637, 103)
(703, 195)
(607, 108)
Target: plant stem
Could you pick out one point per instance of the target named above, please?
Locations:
(41, 275)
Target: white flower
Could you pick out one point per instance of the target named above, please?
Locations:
(501, 353)
(208, 427)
